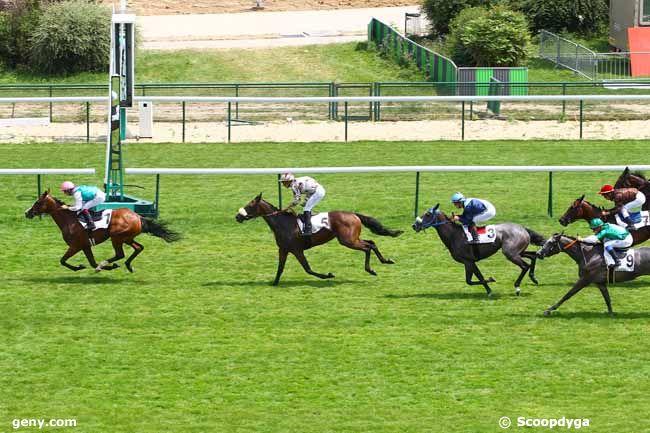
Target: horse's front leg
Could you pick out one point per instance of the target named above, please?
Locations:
(470, 270)
(91, 258)
(300, 255)
(579, 285)
(64, 260)
(282, 259)
(605, 293)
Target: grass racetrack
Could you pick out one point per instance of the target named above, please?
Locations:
(196, 340)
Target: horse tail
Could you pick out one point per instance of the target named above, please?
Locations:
(159, 229)
(376, 227)
(535, 237)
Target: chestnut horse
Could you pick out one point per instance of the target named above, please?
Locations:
(582, 209)
(344, 226)
(628, 179)
(125, 225)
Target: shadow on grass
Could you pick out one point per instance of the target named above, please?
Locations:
(332, 282)
(601, 315)
(78, 279)
(447, 295)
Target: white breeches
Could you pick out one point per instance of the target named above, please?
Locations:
(634, 206)
(100, 197)
(616, 243)
(488, 214)
(313, 200)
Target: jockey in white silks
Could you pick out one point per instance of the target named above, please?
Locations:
(313, 192)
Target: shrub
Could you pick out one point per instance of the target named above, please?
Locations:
(441, 12)
(17, 21)
(582, 16)
(72, 36)
(489, 37)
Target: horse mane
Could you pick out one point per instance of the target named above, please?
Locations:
(637, 174)
(273, 208)
(57, 201)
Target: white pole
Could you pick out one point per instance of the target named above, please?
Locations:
(123, 6)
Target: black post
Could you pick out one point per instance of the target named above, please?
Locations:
(157, 203)
(549, 210)
(229, 121)
(417, 193)
(462, 121)
(87, 122)
(279, 192)
(581, 104)
(183, 121)
(346, 121)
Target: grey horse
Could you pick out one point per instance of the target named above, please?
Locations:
(512, 239)
(592, 268)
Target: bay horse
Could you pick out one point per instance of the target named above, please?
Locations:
(125, 225)
(582, 209)
(629, 179)
(344, 226)
(592, 268)
(512, 239)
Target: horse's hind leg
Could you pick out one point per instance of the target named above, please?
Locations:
(119, 255)
(64, 260)
(360, 245)
(300, 255)
(517, 260)
(375, 249)
(605, 293)
(137, 249)
(533, 261)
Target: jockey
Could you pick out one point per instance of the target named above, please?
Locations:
(86, 197)
(626, 200)
(475, 210)
(313, 191)
(612, 236)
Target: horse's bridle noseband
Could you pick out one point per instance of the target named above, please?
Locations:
(436, 222)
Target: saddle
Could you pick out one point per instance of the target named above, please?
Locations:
(101, 219)
(318, 222)
(486, 234)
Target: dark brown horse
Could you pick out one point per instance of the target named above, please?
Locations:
(582, 209)
(125, 225)
(344, 226)
(629, 179)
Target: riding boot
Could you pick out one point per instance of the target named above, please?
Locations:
(306, 233)
(474, 232)
(90, 224)
(630, 224)
(617, 261)
(306, 220)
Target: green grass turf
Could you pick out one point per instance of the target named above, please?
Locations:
(196, 340)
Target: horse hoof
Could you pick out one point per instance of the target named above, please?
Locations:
(491, 280)
(80, 267)
(129, 268)
(98, 269)
(329, 275)
(489, 295)
(517, 291)
(534, 280)
(371, 272)
(389, 262)
(547, 312)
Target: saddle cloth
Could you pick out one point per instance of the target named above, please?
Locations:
(318, 222)
(102, 220)
(644, 218)
(486, 234)
(627, 260)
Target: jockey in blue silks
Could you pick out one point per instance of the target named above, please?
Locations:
(475, 210)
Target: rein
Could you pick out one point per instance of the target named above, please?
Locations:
(569, 245)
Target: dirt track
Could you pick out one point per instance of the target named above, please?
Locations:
(169, 7)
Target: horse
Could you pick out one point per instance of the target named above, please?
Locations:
(344, 226)
(125, 225)
(592, 268)
(637, 180)
(582, 209)
(512, 239)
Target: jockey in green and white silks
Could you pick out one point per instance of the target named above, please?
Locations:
(612, 236)
(312, 190)
(85, 197)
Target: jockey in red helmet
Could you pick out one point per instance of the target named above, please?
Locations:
(628, 203)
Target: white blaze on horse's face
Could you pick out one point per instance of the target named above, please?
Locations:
(418, 220)
(242, 212)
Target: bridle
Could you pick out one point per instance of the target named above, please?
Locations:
(435, 221)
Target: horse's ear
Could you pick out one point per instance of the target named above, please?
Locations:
(582, 197)
(436, 206)
(626, 171)
(259, 197)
